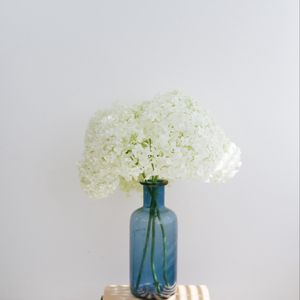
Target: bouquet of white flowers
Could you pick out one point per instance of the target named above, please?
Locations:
(169, 137)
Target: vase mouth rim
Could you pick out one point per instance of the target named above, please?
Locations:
(159, 182)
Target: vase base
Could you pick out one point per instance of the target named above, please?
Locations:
(183, 292)
(149, 292)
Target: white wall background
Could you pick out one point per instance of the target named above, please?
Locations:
(62, 60)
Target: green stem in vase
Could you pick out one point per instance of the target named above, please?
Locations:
(153, 213)
(164, 248)
(144, 251)
(154, 274)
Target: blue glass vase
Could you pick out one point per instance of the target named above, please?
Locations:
(153, 245)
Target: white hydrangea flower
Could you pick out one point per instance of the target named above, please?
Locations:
(170, 137)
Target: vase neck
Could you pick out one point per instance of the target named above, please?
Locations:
(154, 195)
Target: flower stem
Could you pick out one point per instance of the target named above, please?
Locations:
(164, 248)
(144, 251)
(154, 274)
(153, 213)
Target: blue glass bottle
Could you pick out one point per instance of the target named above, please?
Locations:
(153, 245)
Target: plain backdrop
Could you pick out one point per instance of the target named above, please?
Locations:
(62, 60)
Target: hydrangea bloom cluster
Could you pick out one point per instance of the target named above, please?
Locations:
(169, 137)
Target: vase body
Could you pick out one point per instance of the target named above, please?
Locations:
(153, 246)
